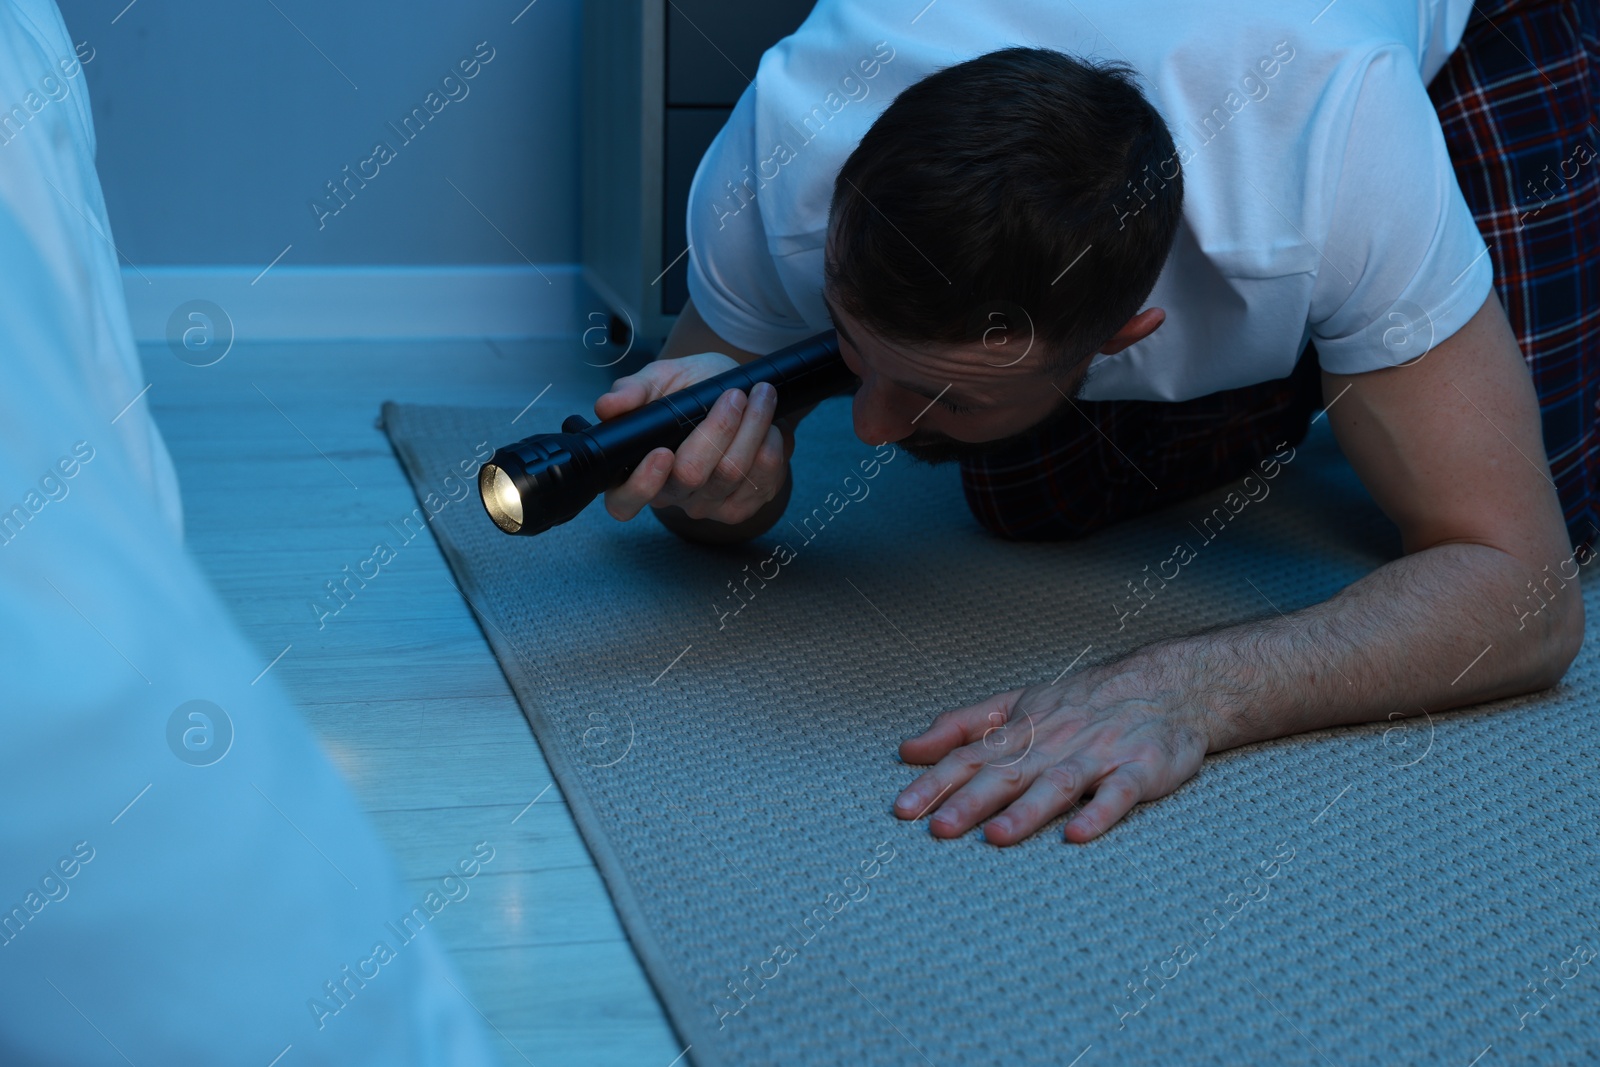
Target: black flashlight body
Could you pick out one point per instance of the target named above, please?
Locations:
(549, 478)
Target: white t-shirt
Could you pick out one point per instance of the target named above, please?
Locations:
(1319, 199)
(158, 902)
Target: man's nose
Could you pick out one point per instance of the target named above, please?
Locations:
(876, 418)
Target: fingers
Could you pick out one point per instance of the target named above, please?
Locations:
(989, 789)
(726, 469)
(657, 379)
(1056, 790)
(763, 479)
(712, 473)
(962, 742)
(1027, 797)
(1022, 758)
(959, 726)
(632, 391)
(974, 780)
(1114, 796)
(643, 485)
(984, 787)
(711, 478)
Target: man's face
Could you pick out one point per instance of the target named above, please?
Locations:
(943, 403)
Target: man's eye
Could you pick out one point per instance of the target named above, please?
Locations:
(958, 409)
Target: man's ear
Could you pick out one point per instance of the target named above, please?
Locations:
(1137, 329)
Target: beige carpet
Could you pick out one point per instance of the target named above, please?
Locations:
(723, 724)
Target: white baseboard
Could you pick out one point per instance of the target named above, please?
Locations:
(366, 302)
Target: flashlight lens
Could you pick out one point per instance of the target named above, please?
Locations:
(502, 500)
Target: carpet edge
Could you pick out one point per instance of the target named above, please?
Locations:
(675, 1005)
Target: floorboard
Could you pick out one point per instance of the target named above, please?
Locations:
(286, 480)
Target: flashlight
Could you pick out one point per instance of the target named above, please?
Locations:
(547, 479)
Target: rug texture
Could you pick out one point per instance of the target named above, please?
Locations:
(724, 723)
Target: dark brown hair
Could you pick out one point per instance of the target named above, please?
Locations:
(980, 185)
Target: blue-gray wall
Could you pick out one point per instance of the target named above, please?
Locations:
(219, 122)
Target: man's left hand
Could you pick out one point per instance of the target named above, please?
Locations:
(1031, 754)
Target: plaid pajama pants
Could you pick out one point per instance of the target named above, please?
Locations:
(1517, 102)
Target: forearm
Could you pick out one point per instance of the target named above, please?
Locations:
(1484, 605)
(1445, 627)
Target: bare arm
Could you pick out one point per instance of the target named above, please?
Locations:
(1450, 446)
(690, 335)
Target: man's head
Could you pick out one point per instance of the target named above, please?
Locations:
(1002, 221)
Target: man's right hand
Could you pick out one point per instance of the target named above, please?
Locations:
(728, 467)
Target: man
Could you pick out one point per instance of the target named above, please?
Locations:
(1135, 279)
(184, 878)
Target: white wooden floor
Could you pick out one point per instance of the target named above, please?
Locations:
(286, 480)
